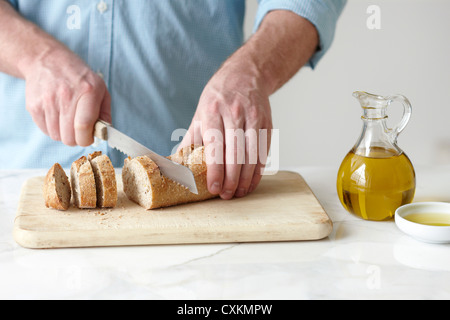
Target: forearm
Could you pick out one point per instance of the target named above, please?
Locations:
(281, 46)
(23, 43)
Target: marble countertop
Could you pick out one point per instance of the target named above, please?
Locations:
(359, 260)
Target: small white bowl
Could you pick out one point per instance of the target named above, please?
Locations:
(422, 232)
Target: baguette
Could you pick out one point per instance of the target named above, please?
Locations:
(83, 184)
(144, 184)
(105, 180)
(57, 192)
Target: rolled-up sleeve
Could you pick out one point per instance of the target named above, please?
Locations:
(323, 14)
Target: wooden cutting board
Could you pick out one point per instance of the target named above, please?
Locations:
(283, 208)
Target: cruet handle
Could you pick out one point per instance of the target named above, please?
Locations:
(407, 109)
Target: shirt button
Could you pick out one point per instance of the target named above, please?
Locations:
(102, 6)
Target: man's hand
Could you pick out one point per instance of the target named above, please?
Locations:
(237, 98)
(233, 106)
(63, 96)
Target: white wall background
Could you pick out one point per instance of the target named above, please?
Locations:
(318, 118)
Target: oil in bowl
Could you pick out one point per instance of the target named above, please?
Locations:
(425, 221)
(430, 219)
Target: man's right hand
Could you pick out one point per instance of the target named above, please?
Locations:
(65, 97)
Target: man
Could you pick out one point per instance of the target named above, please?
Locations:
(149, 67)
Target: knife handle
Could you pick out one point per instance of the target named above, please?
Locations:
(101, 130)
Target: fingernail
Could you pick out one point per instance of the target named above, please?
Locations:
(227, 194)
(241, 192)
(216, 188)
(251, 188)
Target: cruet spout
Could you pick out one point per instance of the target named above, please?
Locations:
(375, 106)
(368, 100)
(360, 95)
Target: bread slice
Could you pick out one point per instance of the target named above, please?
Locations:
(83, 184)
(144, 184)
(105, 180)
(57, 192)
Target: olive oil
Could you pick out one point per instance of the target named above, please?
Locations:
(376, 177)
(430, 219)
(374, 186)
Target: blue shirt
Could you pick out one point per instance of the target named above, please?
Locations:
(155, 58)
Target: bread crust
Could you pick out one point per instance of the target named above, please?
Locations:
(165, 192)
(83, 184)
(105, 180)
(56, 189)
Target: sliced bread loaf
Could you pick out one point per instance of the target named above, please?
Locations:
(144, 184)
(57, 192)
(105, 180)
(83, 184)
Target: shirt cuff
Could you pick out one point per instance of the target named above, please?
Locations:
(323, 14)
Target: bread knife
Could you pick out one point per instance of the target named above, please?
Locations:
(120, 141)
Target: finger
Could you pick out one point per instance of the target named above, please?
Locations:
(39, 119)
(234, 159)
(245, 179)
(66, 124)
(52, 122)
(52, 119)
(105, 108)
(193, 135)
(257, 176)
(213, 140)
(66, 117)
(251, 160)
(187, 139)
(264, 144)
(87, 113)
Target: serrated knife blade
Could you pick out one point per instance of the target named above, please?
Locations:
(120, 141)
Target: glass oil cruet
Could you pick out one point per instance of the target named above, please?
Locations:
(376, 176)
